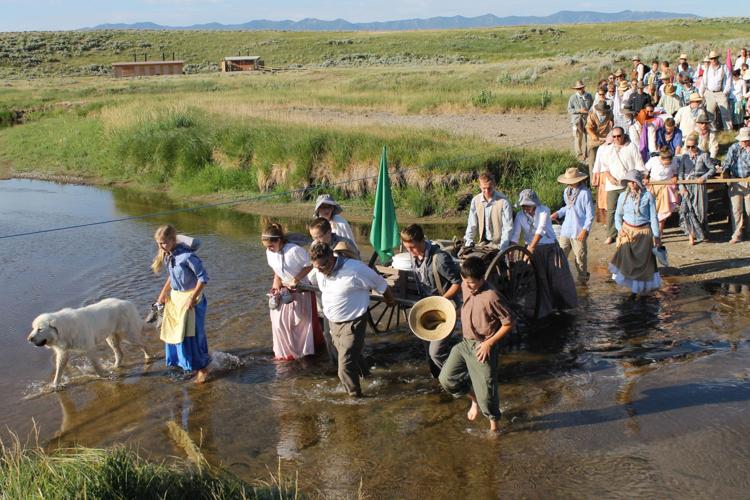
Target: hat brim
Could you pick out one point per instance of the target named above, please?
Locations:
(571, 180)
(444, 313)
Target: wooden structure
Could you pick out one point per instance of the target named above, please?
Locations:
(146, 68)
(241, 63)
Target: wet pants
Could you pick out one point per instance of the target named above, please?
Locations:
(462, 373)
(349, 339)
(580, 254)
(437, 353)
(739, 195)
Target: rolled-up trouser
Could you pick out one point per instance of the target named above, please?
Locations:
(611, 208)
(349, 340)
(437, 352)
(739, 195)
(718, 100)
(580, 254)
(462, 373)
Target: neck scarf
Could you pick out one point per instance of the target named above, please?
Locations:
(636, 197)
(570, 195)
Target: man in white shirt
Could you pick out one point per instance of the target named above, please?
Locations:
(614, 161)
(490, 216)
(345, 286)
(715, 87)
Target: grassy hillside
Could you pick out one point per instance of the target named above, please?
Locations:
(66, 53)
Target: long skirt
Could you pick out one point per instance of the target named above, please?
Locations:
(693, 210)
(634, 264)
(292, 328)
(666, 200)
(557, 288)
(192, 353)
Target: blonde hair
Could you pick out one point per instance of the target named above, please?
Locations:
(165, 232)
(274, 231)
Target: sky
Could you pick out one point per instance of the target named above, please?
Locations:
(25, 15)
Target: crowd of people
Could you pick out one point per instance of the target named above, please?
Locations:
(649, 141)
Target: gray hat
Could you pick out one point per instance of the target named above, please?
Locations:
(528, 198)
(743, 135)
(702, 118)
(327, 199)
(633, 176)
(602, 106)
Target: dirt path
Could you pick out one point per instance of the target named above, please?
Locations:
(542, 130)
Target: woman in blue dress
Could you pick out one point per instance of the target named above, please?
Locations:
(186, 274)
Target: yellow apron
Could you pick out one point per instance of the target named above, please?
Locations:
(179, 318)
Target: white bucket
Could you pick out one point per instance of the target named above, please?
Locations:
(402, 261)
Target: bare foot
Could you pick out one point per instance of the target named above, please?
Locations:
(202, 376)
(493, 426)
(692, 240)
(473, 411)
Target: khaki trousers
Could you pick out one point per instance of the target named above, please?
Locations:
(579, 143)
(739, 195)
(612, 197)
(349, 339)
(580, 254)
(718, 100)
(462, 372)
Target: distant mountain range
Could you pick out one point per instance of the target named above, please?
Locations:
(433, 23)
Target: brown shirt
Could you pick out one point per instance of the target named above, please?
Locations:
(483, 313)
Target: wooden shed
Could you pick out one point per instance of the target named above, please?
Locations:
(241, 63)
(147, 68)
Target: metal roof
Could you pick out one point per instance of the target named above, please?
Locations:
(242, 58)
(146, 63)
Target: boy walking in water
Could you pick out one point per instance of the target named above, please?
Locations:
(471, 367)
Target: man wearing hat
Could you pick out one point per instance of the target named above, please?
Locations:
(686, 90)
(715, 87)
(669, 101)
(706, 137)
(579, 105)
(639, 98)
(598, 124)
(737, 166)
(435, 273)
(683, 65)
(326, 207)
(639, 70)
(490, 216)
(345, 286)
(577, 215)
(471, 368)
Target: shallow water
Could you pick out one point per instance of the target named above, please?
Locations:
(624, 398)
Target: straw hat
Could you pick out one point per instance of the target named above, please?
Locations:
(624, 86)
(706, 59)
(571, 176)
(432, 318)
(695, 97)
(713, 55)
(327, 199)
(579, 85)
(636, 58)
(633, 176)
(743, 135)
(602, 106)
(619, 72)
(683, 56)
(669, 89)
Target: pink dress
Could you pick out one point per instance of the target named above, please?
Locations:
(292, 324)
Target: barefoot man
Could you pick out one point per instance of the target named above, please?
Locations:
(471, 367)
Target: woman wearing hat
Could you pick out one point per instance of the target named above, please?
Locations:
(669, 101)
(293, 313)
(694, 164)
(326, 207)
(663, 168)
(577, 215)
(534, 224)
(634, 264)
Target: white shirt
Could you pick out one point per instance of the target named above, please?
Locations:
(658, 172)
(618, 162)
(740, 61)
(540, 224)
(341, 226)
(685, 120)
(289, 262)
(346, 292)
(715, 80)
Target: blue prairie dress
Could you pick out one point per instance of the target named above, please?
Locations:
(185, 270)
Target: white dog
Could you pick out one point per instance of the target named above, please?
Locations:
(81, 330)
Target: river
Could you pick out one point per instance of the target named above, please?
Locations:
(625, 398)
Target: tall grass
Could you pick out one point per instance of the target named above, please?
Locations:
(120, 473)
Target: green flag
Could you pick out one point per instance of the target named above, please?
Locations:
(384, 235)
